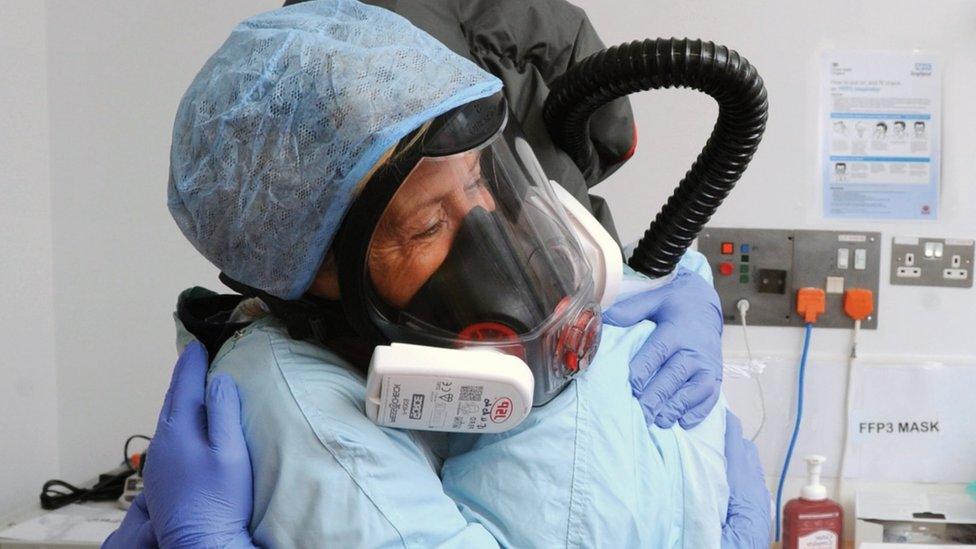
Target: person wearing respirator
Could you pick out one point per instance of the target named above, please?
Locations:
(455, 240)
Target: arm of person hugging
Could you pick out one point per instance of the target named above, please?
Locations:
(324, 474)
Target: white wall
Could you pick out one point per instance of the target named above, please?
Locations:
(117, 72)
(112, 74)
(28, 405)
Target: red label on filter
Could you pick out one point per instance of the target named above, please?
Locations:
(501, 410)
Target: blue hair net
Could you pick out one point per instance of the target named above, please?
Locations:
(287, 117)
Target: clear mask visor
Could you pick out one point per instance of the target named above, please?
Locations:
(475, 250)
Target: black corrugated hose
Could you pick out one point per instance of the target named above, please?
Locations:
(665, 63)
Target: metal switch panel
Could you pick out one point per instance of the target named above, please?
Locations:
(769, 305)
(919, 261)
(813, 265)
(774, 264)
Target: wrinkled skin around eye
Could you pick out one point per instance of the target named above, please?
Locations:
(415, 233)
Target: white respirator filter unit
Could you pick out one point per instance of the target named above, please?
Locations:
(477, 390)
(451, 390)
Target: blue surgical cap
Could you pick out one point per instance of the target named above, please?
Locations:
(286, 118)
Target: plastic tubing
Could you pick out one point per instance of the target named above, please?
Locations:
(667, 63)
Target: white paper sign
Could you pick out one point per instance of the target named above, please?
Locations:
(880, 130)
(913, 423)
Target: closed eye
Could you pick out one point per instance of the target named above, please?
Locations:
(430, 231)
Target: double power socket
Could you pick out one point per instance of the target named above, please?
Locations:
(919, 261)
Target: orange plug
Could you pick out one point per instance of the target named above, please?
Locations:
(858, 303)
(811, 303)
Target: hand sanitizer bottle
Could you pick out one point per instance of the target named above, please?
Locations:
(812, 521)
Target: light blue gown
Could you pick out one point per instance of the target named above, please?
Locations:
(582, 471)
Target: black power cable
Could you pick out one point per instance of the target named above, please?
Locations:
(58, 493)
(125, 452)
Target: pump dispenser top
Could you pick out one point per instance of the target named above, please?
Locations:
(814, 491)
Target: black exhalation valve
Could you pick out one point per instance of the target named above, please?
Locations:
(665, 63)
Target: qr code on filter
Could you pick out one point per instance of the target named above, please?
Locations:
(471, 392)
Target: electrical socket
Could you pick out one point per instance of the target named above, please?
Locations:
(928, 261)
(909, 272)
(955, 274)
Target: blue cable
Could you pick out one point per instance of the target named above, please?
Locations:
(796, 428)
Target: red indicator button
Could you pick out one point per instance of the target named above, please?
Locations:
(727, 248)
(726, 269)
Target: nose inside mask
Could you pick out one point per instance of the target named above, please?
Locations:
(487, 287)
(514, 291)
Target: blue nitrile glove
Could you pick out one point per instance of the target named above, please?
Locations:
(135, 532)
(677, 373)
(197, 476)
(748, 523)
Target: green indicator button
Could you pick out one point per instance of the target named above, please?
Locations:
(744, 279)
(744, 269)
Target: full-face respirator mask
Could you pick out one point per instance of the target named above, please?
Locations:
(480, 282)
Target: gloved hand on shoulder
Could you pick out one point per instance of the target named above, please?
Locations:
(677, 373)
(197, 477)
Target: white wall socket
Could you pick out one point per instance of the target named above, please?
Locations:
(955, 274)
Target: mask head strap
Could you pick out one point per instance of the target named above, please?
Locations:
(307, 318)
